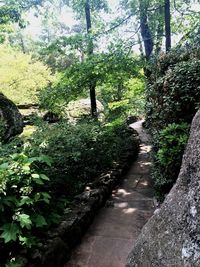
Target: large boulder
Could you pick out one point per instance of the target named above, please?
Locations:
(171, 238)
(82, 107)
(10, 119)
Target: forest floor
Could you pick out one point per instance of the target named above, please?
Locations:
(117, 226)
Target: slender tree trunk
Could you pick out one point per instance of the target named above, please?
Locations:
(92, 85)
(160, 29)
(22, 44)
(167, 25)
(140, 45)
(145, 31)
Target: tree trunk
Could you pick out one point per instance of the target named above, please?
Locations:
(22, 44)
(145, 31)
(167, 25)
(160, 29)
(140, 45)
(92, 85)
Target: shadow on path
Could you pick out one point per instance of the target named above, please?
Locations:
(116, 227)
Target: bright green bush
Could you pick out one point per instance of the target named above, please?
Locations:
(171, 143)
(131, 101)
(20, 76)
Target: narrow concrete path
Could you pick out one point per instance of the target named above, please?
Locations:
(116, 227)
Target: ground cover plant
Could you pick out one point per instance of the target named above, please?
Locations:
(80, 151)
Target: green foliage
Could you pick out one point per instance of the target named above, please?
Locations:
(126, 100)
(95, 5)
(13, 264)
(170, 144)
(174, 86)
(11, 14)
(23, 202)
(173, 96)
(27, 208)
(79, 151)
(113, 75)
(20, 76)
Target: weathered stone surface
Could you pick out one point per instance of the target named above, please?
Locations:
(82, 107)
(10, 115)
(171, 238)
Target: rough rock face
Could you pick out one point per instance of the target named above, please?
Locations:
(11, 118)
(171, 238)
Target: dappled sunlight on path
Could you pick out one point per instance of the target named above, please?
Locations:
(117, 226)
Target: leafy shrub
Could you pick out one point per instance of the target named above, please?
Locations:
(25, 206)
(118, 109)
(172, 98)
(173, 91)
(79, 152)
(172, 142)
(170, 147)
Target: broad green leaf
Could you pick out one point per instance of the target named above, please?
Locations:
(44, 177)
(24, 220)
(35, 175)
(39, 221)
(37, 179)
(46, 197)
(28, 241)
(9, 200)
(42, 158)
(26, 168)
(25, 200)
(4, 166)
(46, 160)
(10, 232)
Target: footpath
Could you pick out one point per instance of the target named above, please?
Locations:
(116, 227)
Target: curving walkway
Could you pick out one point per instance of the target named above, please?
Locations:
(116, 227)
